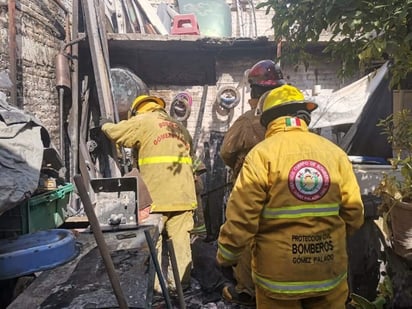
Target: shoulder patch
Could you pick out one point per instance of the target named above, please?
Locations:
(308, 180)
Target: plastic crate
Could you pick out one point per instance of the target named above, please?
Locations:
(44, 211)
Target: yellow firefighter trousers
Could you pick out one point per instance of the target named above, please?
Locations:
(336, 299)
(177, 225)
(243, 273)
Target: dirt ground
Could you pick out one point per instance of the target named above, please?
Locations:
(196, 298)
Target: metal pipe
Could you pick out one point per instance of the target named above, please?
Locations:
(175, 271)
(162, 282)
(254, 16)
(279, 51)
(72, 42)
(84, 99)
(200, 118)
(74, 113)
(12, 52)
(63, 81)
(61, 121)
(101, 243)
(63, 84)
(239, 18)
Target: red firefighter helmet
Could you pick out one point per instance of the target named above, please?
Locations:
(266, 73)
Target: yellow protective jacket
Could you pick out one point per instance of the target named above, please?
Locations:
(165, 164)
(243, 134)
(296, 198)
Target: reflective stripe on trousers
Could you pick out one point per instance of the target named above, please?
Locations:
(299, 287)
(227, 254)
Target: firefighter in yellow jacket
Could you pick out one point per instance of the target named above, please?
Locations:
(242, 136)
(165, 164)
(296, 198)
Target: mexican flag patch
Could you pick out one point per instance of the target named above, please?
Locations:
(293, 122)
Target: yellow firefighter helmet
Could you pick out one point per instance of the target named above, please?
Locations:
(140, 101)
(283, 101)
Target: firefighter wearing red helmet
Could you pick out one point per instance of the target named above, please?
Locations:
(247, 131)
(296, 199)
(243, 134)
(165, 163)
(266, 73)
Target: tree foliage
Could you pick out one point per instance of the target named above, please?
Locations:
(362, 31)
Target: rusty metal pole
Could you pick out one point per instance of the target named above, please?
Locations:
(176, 276)
(101, 243)
(12, 52)
(74, 113)
(158, 269)
(63, 85)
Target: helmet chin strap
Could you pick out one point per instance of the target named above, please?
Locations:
(304, 115)
(281, 111)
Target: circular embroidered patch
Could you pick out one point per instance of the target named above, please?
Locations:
(308, 180)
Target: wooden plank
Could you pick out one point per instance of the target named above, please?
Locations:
(101, 26)
(98, 46)
(130, 15)
(121, 23)
(101, 73)
(152, 16)
(139, 17)
(73, 125)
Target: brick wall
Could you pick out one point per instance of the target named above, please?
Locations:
(231, 73)
(4, 49)
(38, 42)
(39, 30)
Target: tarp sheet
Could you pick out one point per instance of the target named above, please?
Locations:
(364, 138)
(345, 105)
(22, 140)
(355, 111)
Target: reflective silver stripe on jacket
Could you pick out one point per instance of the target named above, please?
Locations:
(165, 159)
(300, 211)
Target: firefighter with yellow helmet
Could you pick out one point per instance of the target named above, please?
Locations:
(296, 198)
(164, 160)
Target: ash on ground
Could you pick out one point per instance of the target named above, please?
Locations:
(206, 283)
